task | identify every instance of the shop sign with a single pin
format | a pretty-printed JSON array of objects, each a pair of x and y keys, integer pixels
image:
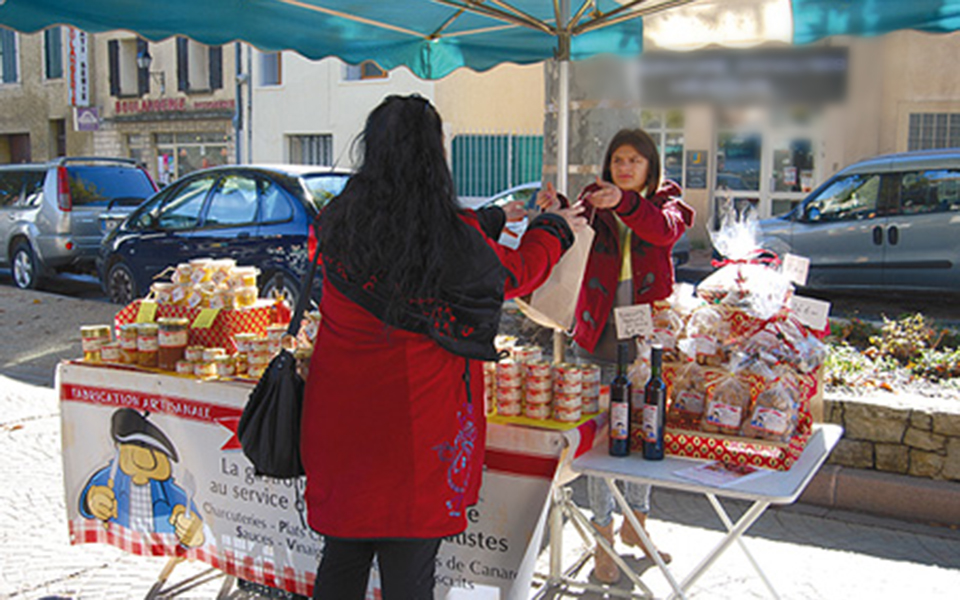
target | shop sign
[
  {"x": 769, "y": 75},
  {"x": 128, "y": 107},
  {"x": 86, "y": 118},
  {"x": 78, "y": 67}
]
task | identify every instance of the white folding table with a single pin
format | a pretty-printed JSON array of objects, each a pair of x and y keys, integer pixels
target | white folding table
[{"x": 774, "y": 487}]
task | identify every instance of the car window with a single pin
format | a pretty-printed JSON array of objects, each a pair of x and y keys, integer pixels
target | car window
[
  {"x": 233, "y": 203},
  {"x": 936, "y": 190},
  {"x": 182, "y": 211},
  {"x": 848, "y": 198},
  {"x": 324, "y": 187},
  {"x": 99, "y": 185},
  {"x": 274, "y": 204},
  {"x": 20, "y": 189}
]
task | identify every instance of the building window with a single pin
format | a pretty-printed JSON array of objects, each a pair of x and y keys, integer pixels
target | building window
[
  {"x": 8, "y": 55},
  {"x": 271, "y": 72},
  {"x": 364, "y": 71},
  {"x": 311, "y": 149},
  {"x": 666, "y": 129},
  {"x": 199, "y": 67},
  {"x": 125, "y": 75},
  {"x": 486, "y": 164},
  {"x": 53, "y": 53},
  {"x": 929, "y": 131}
]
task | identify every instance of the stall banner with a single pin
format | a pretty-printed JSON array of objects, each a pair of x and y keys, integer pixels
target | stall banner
[{"x": 152, "y": 465}]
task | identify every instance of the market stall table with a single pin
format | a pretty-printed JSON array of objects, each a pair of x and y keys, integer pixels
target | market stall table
[
  {"x": 253, "y": 527},
  {"x": 771, "y": 487}
]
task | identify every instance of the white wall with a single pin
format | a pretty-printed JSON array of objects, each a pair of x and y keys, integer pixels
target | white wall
[{"x": 313, "y": 98}]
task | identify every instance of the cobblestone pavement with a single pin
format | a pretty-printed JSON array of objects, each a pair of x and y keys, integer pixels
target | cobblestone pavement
[{"x": 809, "y": 553}]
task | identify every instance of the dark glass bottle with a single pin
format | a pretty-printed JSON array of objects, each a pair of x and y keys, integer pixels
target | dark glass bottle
[
  {"x": 654, "y": 407},
  {"x": 620, "y": 409}
]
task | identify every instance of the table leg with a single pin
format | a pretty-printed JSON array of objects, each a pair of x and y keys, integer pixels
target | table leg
[
  {"x": 556, "y": 535},
  {"x": 753, "y": 513},
  {"x": 718, "y": 508},
  {"x": 644, "y": 538}
]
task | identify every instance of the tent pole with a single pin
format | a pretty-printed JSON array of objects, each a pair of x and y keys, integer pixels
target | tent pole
[{"x": 563, "y": 130}]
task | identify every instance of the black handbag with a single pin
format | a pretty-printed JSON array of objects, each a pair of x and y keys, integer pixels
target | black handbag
[{"x": 269, "y": 428}]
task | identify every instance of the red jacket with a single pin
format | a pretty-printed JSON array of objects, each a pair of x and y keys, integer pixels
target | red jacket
[
  {"x": 392, "y": 440},
  {"x": 657, "y": 222}
]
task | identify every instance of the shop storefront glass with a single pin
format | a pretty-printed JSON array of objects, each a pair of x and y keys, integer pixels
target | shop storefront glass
[
  {"x": 666, "y": 129},
  {"x": 182, "y": 153}
]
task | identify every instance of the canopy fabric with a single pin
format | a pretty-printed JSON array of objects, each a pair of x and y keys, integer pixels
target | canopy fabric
[
  {"x": 816, "y": 19},
  {"x": 431, "y": 38}
]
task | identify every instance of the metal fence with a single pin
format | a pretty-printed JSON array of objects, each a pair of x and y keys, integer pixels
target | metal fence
[{"x": 484, "y": 164}]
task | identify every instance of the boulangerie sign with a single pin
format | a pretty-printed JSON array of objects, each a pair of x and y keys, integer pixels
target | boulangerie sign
[{"x": 206, "y": 502}]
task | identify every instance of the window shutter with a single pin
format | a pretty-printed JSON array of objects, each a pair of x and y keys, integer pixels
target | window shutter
[
  {"x": 216, "y": 67},
  {"x": 9, "y": 40},
  {"x": 183, "y": 64},
  {"x": 113, "y": 55},
  {"x": 143, "y": 75}
]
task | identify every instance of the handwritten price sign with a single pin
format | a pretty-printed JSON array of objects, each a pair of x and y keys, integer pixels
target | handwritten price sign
[
  {"x": 796, "y": 268},
  {"x": 633, "y": 321},
  {"x": 811, "y": 312}
]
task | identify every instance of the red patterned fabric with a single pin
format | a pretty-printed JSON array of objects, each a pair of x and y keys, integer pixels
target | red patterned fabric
[{"x": 220, "y": 334}]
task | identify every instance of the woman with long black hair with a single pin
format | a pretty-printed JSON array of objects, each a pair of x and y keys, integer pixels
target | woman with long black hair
[{"x": 393, "y": 422}]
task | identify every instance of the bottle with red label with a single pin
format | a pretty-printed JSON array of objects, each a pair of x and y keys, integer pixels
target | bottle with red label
[
  {"x": 620, "y": 400},
  {"x": 654, "y": 407}
]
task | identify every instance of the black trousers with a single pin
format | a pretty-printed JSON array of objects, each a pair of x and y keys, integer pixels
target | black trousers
[{"x": 407, "y": 568}]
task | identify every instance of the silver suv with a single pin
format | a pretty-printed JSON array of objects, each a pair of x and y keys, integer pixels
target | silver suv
[
  {"x": 50, "y": 213},
  {"x": 890, "y": 222}
]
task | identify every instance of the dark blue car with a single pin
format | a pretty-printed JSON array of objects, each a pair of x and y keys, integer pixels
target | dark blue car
[{"x": 256, "y": 215}]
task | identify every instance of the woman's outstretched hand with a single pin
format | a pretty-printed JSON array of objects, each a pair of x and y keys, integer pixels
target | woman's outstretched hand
[
  {"x": 607, "y": 196},
  {"x": 573, "y": 215},
  {"x": 547, "y": 198}
]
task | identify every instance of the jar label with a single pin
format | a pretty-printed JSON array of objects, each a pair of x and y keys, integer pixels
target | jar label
[
  {"x": 147, "y": 344},
  {"x": 651, "y": 423},
  {"x": 769, "y": 420},
  {"x": 128, "y": 343},
  {"x": 619, "y": 420},
  {"x": 724, "y": 415},
  {"x": 172, "y": 339},
  {"x": 689, "y": 402},
  {"x": 92, "y": 344}
]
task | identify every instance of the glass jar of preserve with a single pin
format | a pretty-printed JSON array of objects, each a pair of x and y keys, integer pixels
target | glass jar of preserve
[
  {"x": 128, "y": 344},
  {"x": 172, "y": 342},
  {"x": 148, "y": 344},
  {"x": 92, "y": 338}
]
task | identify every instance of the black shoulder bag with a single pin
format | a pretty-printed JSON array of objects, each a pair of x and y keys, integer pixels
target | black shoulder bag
[{"x": 269, "y": 428}]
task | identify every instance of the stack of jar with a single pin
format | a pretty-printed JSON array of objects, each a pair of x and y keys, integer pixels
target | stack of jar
[
  {"x": 207, "y": 363},
  {"x": 209, "y": 283},
  {"x": 537, "y": 390},
  {"x": 509, "y": 388}
]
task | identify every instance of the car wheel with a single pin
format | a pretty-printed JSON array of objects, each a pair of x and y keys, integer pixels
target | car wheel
[
  {"x": 281, "y": 284},
  {"x": 121, "y": 285},
  {"x": 24, "y": 267}
]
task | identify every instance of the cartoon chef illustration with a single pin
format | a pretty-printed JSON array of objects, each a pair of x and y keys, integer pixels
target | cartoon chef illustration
[{"x": 136, "y": 489}]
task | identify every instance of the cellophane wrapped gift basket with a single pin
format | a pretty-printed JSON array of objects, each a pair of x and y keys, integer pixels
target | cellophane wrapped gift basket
[{"x": 743, "y": 373}]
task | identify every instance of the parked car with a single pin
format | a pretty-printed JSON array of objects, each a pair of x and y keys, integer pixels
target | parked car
[
  {"x": 49, "y": 213},
  {"x": 890, "y": 222},
  {"x": 527, "y": 193},
  {"x": 257, "y": 215}
]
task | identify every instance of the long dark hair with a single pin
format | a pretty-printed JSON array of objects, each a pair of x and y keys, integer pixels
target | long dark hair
[
  {"x": 641, "y": 141},
  {"x": 397, "y": 216}
]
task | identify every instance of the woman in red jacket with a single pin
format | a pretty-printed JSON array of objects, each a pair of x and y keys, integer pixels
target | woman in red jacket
[
  {"x": 628, "y": 207},
  {"x": 393, "y": 424}
]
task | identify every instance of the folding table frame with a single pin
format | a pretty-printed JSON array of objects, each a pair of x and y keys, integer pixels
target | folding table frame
[{"x": 774, "y": 487}]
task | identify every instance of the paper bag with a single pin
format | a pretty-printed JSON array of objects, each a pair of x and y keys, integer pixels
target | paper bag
[{"x": 553, "y": 304}]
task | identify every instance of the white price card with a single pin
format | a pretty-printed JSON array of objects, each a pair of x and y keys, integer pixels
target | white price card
[
  {"x": 811, "y": 312},
  {"x": 796, "y": 268},
  {"x": 633, "y": 321}
]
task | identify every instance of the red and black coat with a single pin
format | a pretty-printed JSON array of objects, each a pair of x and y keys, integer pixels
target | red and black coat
[
  {"x": 393, "y": 423},
  {"x": 657, "y": 222}
]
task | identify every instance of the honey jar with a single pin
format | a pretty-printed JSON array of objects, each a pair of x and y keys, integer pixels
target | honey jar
[
  {"x": 172, "y": 342},
  {"x": 201, "y": 270},
  {"x": 184, "y": 367},
  {"x": 128, "y": 344},
  {"x": 225, "y": 366},
  {"x": 163, "y": 292},
  {"x": 110, "y": 352},
  {"x": 205, "y": 369},
  {"x": 245, "y": 297},
  {"x": 148, "y": 344},
  {"x": 244, "y": 277},
  {"x": 193, "y": 353},
  {"x": 92, "y": 338}
]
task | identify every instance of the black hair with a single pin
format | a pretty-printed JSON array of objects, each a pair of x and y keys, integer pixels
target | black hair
[
  {"x": 640, "y": 141},
  {"x": 397, "y": 216}
]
